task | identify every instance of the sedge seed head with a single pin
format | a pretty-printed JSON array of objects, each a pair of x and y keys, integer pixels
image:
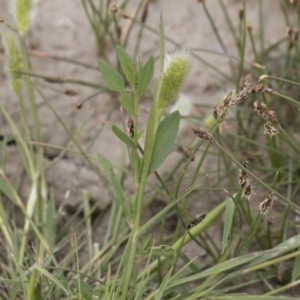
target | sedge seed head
[
  {"x": 266, "y": 205},
  {"x": 248, "y": 192},
  {"x": 202, "y": 134}
]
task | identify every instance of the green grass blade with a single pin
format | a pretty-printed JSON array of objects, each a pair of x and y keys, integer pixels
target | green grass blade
[
  {"x": 229, "y": 216},
  {"x": 52, "y": 278}
]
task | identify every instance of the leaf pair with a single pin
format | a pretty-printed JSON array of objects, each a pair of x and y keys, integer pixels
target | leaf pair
[{"x": 138, "y": 81}]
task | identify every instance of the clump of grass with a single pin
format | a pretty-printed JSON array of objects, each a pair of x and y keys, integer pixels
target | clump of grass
[{"x": 131, "y": 262}]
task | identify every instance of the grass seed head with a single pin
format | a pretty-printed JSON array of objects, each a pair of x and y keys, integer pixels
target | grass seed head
[
  {"x": 198, "y": 219},
  {"x": 262, "y": 110},
  {"x": 130, "y": 126},
  {"x": 266, "y": 205},
  {"x": 79, "y": 105},
  {"x": 220, "y": 108},
  {"x": 14, "y": 63},
  {"x": 113, "y": 8},
  {"x": 23, "y": 12},
  {"x": 175, "y": 69},
  {"x": 202, "y": 134},
  {"x": 188, "y": 154},
  {"x": 296, "y": 3},
  {"x": 270, "y": 129},
  {"x": 248, "y": 192},
  {"x": 243, "y": 178}
]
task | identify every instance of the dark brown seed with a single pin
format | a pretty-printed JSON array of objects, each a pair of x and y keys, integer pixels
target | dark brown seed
[
  {"x": 198, "y": 219},
  {"x": 79, "y": 105},
  {"x": 130, "y": 126}
]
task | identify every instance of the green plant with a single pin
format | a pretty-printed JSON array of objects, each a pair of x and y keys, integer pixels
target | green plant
[{"x": 137, "y": 259}]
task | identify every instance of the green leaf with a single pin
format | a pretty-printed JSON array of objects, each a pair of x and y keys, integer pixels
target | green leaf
[
  {"x": 163, "y": 286},
  {"x": 296, "y": 269},
  {"x": 162, "y": 250},
  {"x": 145, "y": 77},
  {"x": 250, "y": 297},
  {"x": 139, "y": 135},
  {"x": 127, "y": 102},
  {"x": 146, "y": 242},
  {"x": 6, "y": 190},
  {"x": 126, "y": 65},
  {"x": 84, "y": 288},
  {"x": 113, "y": 79},
  {"x": 52, "y": 278},
  {"x": 164, "y": 140},
  {"x": 109, "y": 173},
  {"x": 124, "y": 138},
  {"x": 229, "y": 213}
]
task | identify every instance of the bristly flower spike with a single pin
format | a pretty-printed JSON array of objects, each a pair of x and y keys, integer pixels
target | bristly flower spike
[
  {"x": 23, "y": 12},
  {"x": 175, "y": 69},
  {"x": 14, "y": 63}
]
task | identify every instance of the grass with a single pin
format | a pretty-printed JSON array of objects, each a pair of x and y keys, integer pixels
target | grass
[{"x": 250, "y": 141}]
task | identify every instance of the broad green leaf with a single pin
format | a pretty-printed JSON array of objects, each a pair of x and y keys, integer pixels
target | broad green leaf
[
  {"x": 109, "y": 173},
  {"x": 126, "y": 65},
  {"x": 113, "y": 79},
  {"x": 127, "y": 102},
  {"x": 296, "y": 269},
  {"x": 124, "y": 138},
  {"x": 145, "y": 76},
  {"x": 52, "y": 278},
  {"x": 164, "y": 140},
  {"x": 229, "y": 213}
]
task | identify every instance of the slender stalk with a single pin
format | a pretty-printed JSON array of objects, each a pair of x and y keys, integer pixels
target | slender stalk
[
  {"x": 242, "y": 48},
  {"x": 148, "y": 149}
]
